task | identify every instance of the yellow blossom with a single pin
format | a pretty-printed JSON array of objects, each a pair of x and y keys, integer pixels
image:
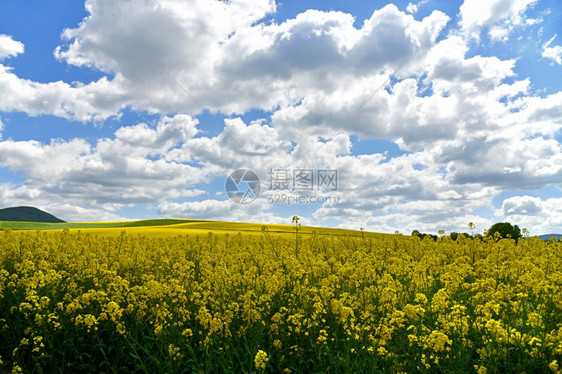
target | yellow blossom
[{"x": 260, "y": 360}]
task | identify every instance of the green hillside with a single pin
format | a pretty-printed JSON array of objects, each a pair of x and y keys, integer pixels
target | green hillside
[
  {"x": 27, "y": 214},
  {"x": 26, "y": 225}
]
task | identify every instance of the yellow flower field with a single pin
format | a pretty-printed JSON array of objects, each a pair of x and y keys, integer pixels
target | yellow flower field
[{"x": 265, "y": 302}]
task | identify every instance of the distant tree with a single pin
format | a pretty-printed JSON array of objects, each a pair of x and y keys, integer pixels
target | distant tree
[
  {"x": 455, "y": 235},
  {"x": 423, "y": 235},
  {"x": 504, "y": 230}
]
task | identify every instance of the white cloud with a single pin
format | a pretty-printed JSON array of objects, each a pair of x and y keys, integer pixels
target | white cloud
[
  {"x": 92, "y": 102},
  {"x": 522, "y": 205},
  {"x": 255, "y": 212},
  {"x": 554, "y": 53},
  {"x": 170, "y": 131},
  {"x": 542, "y": 216},
  {"x": 498, "y": 16},
  {"x": 9, "y": 47},
  {"x": 464, "y": 95},
  {"x": 117, "y": 37},
  {"x": 222, "y": 57},
  {"x": 95, "y": 101},
  {"x": 132, "y": 40},
  {"x": 218, "y": 52},
  {"x": 140, "y": 164},
  {"x": 73, "y": 213},
  {"x": 413, "y": 8},
  {"x": 130, "y": 168},
  {"x": 395, "y": 194}
]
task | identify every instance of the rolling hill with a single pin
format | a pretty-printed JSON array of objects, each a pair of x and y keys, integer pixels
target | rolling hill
[
  {"x": 27, "y": 214},
  {"x": 162, "y": 228},
  {"x": 548, "y": 236}
]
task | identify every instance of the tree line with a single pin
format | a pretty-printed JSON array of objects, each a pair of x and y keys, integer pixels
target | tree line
[{"x": 500, "y": 230}]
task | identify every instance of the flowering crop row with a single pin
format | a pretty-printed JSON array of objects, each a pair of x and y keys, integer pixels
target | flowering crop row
[{"x": 72, "y": 302}]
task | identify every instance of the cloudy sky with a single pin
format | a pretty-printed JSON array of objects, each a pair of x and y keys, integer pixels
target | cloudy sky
[{"x": 433, "y": 113}]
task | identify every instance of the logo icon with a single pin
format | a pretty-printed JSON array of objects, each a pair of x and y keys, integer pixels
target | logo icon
[{"x": 242, "y": 186}]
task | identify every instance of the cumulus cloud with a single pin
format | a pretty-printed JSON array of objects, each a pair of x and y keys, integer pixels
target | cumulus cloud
[
  {"x": 9, "y": 47},
  {"x": 95, "y": 101},
  {"x": 220, "y": 54},
  {"x": 398, "y": 194},
  {"x": 141, "y": 164},
  {"x": 543, "y": 216},
  {"x": 554, "y": 53},
  {"x": 129, "y": 168},
  {"x": 463, "y": 95},
  {"x": 522, "y": 205},
  {"x": 145, "y": 163},
  {"x": 256, "y": 212},
  {"x": 413, "y": 7},
  {"x": 142, "y": 42},
  {"x": 74, "y": 213},
  {"x": 496, "y": 16}
]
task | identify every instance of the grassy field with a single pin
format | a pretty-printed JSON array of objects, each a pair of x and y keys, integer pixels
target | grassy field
[
  {"x": 213, "y": 297},
  {"x": 18, "y": 225},
  {"x": 173, "y": 227}
]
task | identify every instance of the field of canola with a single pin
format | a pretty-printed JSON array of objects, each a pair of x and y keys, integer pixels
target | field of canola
[
  {"x": 161, "y": 228},
  {"x": 275, "y": 302}
]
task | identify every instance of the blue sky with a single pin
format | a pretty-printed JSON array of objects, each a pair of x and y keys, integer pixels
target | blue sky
[{"x": 434, "y": 113}]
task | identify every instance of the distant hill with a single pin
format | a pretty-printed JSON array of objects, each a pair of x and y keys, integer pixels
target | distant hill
[
  {"x": 548, "y": 236},
  {"x": 27, "y": 214}
]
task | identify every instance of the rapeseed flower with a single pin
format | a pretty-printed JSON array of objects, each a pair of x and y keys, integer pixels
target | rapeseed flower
[{"x": 260, "y": 360}]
